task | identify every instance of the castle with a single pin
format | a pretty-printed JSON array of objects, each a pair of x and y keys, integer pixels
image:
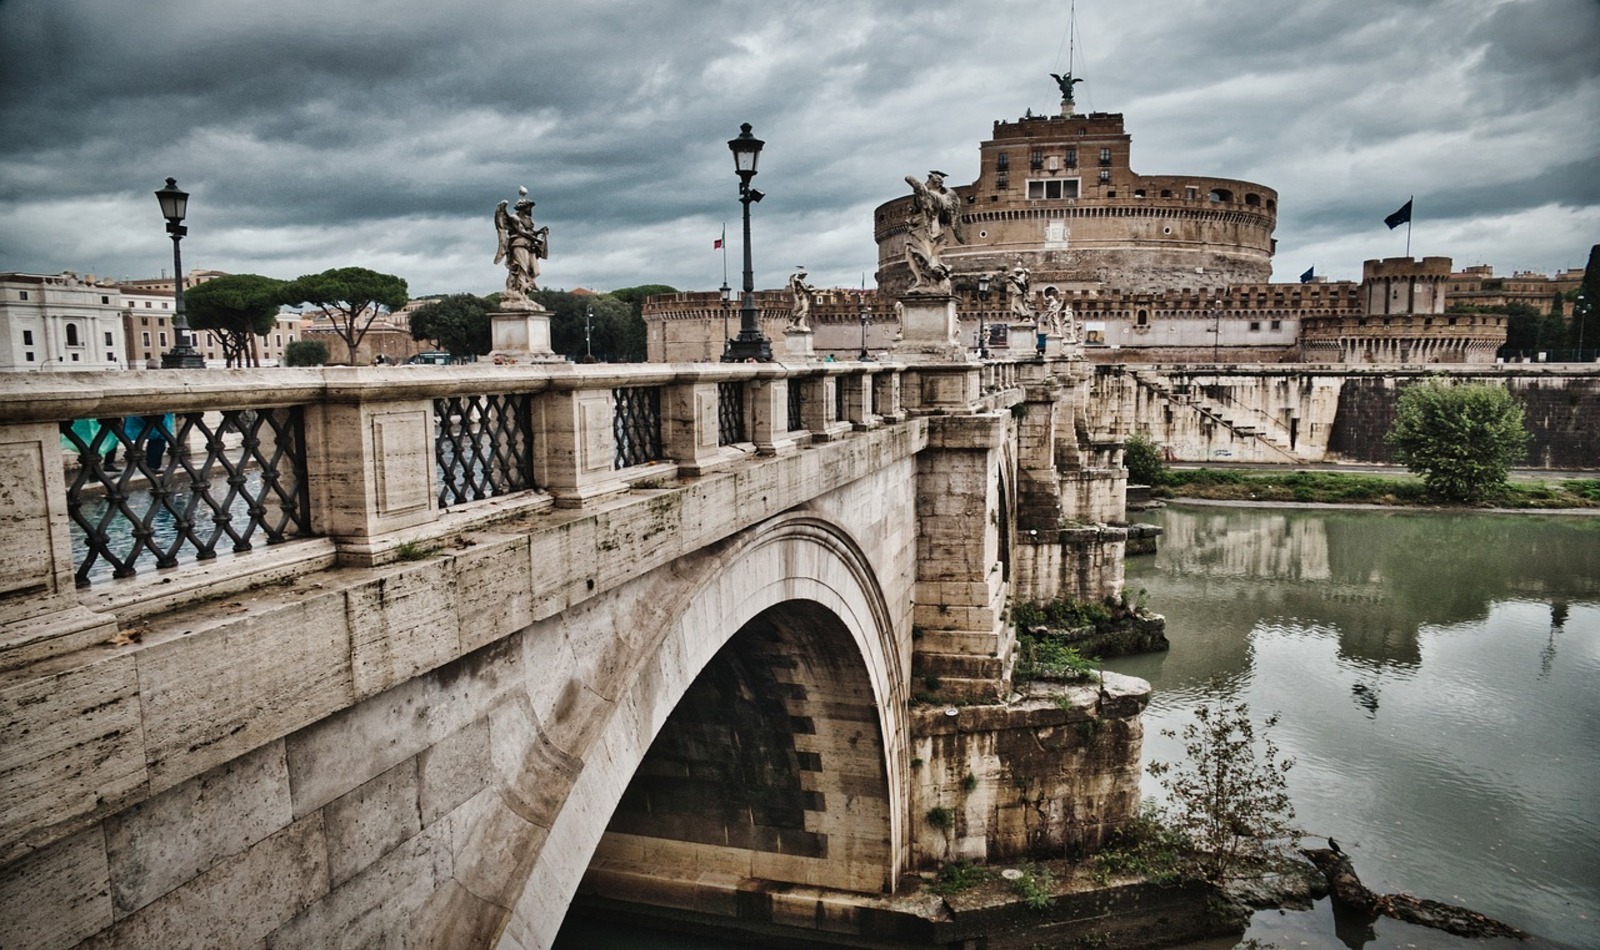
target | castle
[{"x": 1156, "y": 268}]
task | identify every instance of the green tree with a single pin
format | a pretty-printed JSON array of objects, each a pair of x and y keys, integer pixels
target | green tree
[
  {"x": 305, "y": 353},
  {"x": 235, "y": 308},
  {"x": 1143, "y": 460},
  {"x": 352, "y": 297},
  {"x": 1462, "y": 439},
  {"x": 1229, "y": 799},
  {"x": 611, "y": 338},
  {"x": 458, "y": 323}
]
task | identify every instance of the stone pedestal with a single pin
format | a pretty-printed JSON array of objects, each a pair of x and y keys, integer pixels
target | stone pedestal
[
  {"x": 521, "y": 336},
  {"x": 1054, "y": 346},
  {"x": 928, "y": 329},
  {"x": 799, "y": 343}
]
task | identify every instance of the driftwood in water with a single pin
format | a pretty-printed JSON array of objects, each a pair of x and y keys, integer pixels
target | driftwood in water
[{"x": 1351, "y": 895}]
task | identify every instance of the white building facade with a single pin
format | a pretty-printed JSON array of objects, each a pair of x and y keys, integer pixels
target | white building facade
[{"x": 61, "y": 322}]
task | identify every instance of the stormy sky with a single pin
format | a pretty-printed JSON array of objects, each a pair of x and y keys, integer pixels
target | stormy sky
[{"x": 319, "y": 133}]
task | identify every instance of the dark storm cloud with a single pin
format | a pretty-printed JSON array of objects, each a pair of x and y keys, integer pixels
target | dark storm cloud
[{"x": 320, "y": 134}]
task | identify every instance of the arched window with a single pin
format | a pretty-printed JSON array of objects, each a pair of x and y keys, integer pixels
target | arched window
[
  {"x": 1221, "y": 194},
  {"x": 1144, "y": 318},
  {"x": 72, "y": 335}
]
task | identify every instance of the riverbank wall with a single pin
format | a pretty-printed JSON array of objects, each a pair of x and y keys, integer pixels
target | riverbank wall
[{"x": 1304, "y": 414}]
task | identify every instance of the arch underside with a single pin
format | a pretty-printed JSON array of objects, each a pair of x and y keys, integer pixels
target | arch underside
[{"x": 783, "y": 649}]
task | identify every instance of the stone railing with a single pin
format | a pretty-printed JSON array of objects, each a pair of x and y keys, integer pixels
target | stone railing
[{"x": 240, "y": 477}]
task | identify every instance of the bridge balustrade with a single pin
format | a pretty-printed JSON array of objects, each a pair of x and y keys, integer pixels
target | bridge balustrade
[{"x": 352, "y": 464}]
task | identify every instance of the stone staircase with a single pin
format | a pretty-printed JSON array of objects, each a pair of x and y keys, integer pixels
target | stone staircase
[{"x": 1248, "y": 425}]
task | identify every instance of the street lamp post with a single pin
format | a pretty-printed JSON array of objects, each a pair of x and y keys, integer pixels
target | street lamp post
[
  {"x": 1581, "y": 311},
  {"x": 983, "y": 323},
  {"x": 727, "y": 298},
  {"x": 174, "y": 207},
  {"x": 1216, "y": 331},
  {"x": 865, "y": 312},
  {"x": 750, "y": 344},
  {"x": 588, "y": 335}
]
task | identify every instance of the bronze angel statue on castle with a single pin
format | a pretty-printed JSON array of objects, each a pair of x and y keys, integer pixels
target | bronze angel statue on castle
[{"x": 521, "y": 247}]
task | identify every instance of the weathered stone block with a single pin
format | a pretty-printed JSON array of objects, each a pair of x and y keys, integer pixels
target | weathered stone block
[
  {"x": 346, "y": 749},
  {"x": 371, "y": 909},
  {"x": 453, "y": 770},
  {"x": 57, "y": 897},
  {"x": 239, "y": 683},
  {"x": 167, "y": 840},
  {"x": 369, "y": 821},
  {"x": 237, "y": 902},
  {"x": 401, "y": 624},
  {"x": 70, "y": 746}
]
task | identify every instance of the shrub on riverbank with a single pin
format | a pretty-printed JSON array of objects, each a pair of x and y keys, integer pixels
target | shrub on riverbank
[{"x": 1359, "y": 488}]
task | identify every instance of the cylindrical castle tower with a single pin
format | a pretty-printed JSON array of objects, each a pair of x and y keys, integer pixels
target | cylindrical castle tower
[{"x": 1057, "y": 194}]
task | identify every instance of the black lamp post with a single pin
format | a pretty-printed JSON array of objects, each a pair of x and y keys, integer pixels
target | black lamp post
[
  {"x": 174, "y": 206},
  {"x": 983, "y": 306},
  {"x": 750, "y": 343},
  {"x": 1216, "y": 331},
  {"x": 727, "y": 298},
  {"x": 588, "y": 326},
  {"x": 866, "y": 321}
]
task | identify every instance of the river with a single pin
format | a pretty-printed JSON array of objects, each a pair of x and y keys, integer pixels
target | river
[{"x": 1435, "y": 674}]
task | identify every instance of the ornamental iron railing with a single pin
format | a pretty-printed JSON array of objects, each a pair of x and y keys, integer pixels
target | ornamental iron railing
[
  {"x": 483, "y": 446},
  {"x": 143, "y": 489},
  {"x": 796, "y": 405},
  {"x": 636, "y": 425},
  {"x": 730, "y": 413}
]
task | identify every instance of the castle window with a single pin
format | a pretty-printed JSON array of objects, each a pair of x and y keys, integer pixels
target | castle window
[
  {"x": 1255, "y": 326},
  {"x": 1002, "y": 181},
  {"x": 104, "y": 299},
  {"x": 1105, "y": 174},
  {"x": 1252, "y": 199},
  {"x": 1105, "y": 156},
  {"x": 22, "y": 295},
  {"x": 27, "y": 337},
  {"x": 1050, "y": 188},
  {"x": 1144, "y": 318},
  {"x": 1002, "y": 161},
  {"x": 108, "y": 338},
  {"x": 1072, "y": 157},
  {"x": 1276, "y": 325},
  {"x": 1138, "y": 192},
  {"x": 1191, "y": 192},
  {"x": 1221, "y": 194},
  {"x": 1035, "y": 159},
  {"x": 1166, "y": 192},
  {"x": 72, "y": 335}
]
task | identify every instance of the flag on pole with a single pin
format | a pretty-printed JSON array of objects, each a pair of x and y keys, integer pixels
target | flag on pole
[
  {"x": 717, "y": 244},
  {"x": 1403, "y": 216},
  {"x": 1310, "y": 273}
]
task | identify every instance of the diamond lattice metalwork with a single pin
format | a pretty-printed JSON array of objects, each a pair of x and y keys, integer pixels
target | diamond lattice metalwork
[
  {"x": 483, "y": 446},
  {"x": 730, "y": 413},
  {"x": 636, "y": 425}
]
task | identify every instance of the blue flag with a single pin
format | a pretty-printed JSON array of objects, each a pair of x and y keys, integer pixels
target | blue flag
[
  {"x": 1310, "y": 273},
  {"x": 1399, "y": 217}
]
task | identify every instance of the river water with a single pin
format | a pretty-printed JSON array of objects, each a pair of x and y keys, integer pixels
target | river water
[{"x": 1436, "y": 679}]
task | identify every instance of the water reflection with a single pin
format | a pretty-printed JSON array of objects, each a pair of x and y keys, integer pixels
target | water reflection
[{"x": 1435, "y": 677}]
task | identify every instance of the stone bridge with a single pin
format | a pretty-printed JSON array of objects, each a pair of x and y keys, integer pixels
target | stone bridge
[{"x": 419, "y": 657}]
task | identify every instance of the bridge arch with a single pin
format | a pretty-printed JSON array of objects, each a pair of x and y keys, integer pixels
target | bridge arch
[{"x": 799, "y": 579}]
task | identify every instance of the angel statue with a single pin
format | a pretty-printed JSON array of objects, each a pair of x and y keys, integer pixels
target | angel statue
[
  {"x": 802, "y": 293},
  {"x": 521, "y": 247},
  {"x": 933, "y": 222},
  {"x": 1066, "y": 83},
  {"x": 1058, "y": 315}
]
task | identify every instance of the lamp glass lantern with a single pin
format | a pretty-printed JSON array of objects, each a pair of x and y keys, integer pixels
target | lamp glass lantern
[{"x": 174, "y": 202}]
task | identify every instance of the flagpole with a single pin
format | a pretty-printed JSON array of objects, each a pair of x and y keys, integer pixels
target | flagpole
[
  {"x": 724, "y": 252},
  {"x": 1412, "y": 202}
]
